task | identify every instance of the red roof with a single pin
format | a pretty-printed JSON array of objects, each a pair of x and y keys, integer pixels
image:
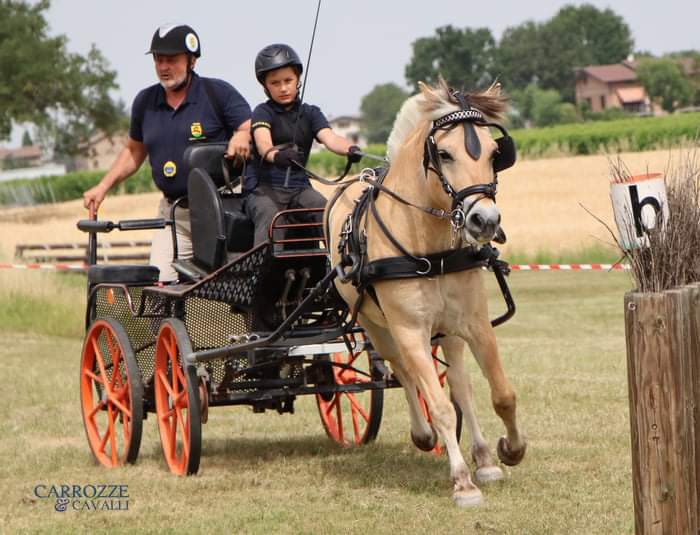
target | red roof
[
  {"x": 617, "y": 72},
  {"x": 32, "y": 151}
]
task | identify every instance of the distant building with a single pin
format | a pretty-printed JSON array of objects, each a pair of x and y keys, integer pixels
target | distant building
[
  {"x": 21, "y": 157},
  {"x": 349, "y": 127},
  {"x": 612, "y": 86},
  {"x": 100, "y": 151}
]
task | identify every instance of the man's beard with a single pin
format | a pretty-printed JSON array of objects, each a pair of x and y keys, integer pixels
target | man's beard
[{"x": 174, "y": 84}]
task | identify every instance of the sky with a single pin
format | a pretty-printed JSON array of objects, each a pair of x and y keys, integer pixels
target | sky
[{"x": 358, "y": 44}]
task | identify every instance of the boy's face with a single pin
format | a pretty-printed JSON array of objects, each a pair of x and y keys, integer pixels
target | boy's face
[{"x": 282, "y": 84}]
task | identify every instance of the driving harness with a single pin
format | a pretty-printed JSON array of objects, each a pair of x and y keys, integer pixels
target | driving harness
[{"x": 352, "y": 247}]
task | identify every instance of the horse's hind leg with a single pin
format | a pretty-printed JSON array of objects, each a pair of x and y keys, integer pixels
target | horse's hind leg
[
  {"x": 422, "y": 434},
  {"x": 482, "y": 342},
  {"x": 461, "y": 392}
]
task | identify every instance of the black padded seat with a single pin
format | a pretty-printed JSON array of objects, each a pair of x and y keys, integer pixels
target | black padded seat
[
  {"x": 207, "y": 221},
  {"x": 209, "y": 157},
  {"x": 128, "y": 274}
]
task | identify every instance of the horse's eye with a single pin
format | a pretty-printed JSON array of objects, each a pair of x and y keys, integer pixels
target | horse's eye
[{"x": 445, "y": 156}]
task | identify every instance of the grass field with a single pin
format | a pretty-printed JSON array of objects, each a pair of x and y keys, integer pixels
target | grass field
[{"x": 265, "y": 473}]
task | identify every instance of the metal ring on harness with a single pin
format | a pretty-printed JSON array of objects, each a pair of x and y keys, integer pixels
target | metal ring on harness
[{"x": 430, "y": 266}]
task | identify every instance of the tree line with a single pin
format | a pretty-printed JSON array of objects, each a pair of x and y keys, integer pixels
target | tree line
[
  {"x": 66, "y": 96},
  {"x": 535, "y": 63}
]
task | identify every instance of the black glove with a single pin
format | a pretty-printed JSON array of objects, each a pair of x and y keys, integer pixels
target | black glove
[
  {"x": 354, "y": 154},
  {"x": 284, "y": 157}
]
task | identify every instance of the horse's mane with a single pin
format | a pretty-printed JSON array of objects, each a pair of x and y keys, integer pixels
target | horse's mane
[{"x": 434, "y": 102}]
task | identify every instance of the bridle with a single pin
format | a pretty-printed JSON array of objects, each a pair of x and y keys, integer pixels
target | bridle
[{"x": 504, "y": 158}]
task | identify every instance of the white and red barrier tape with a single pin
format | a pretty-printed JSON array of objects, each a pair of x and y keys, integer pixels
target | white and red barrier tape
[
  {"x": 514, "y": 267},
  {"x": 46, "y": 267}
]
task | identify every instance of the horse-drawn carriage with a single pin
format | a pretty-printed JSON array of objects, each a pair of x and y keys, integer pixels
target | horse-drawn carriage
[{"x": 256, "y": 326}]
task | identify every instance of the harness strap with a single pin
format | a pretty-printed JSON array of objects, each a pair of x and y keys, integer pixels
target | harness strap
[{"x": 451, "y": 261}]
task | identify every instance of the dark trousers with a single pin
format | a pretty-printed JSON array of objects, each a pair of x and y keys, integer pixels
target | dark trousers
[{"x": 264, "y": 202}]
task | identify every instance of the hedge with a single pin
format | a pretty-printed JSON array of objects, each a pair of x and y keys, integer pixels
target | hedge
[
  {"x": 633, "y": 135},
  {"x": 50, "y": 189}
]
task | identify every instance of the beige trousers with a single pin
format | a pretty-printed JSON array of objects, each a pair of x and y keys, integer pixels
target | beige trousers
[{"x": 162, "y": 244}]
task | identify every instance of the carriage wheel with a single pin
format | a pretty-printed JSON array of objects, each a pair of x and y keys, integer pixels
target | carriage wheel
[
  {"x": 442, "y": 376},
  {"x": 352, "y": 418},
  {"x": 111, "y": 394},
  {"x": 177, "y": 400}
]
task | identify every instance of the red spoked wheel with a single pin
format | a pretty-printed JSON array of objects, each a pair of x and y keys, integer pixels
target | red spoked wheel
[
  {"x": 111, "y": 394},
  {"x": 176, "y": 391},
  {"x": 352, "y": 418},
  {"x": 442, "y": 377}
]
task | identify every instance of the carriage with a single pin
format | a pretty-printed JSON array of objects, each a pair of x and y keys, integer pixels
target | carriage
[
  {"x": 244, "y": 326},
  {"x": 260, "y": 326}
]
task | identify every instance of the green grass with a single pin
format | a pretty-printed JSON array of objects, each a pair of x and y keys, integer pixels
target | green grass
[
  {"x": 594, "y": 254},
  {"x": 266, "y": 473}
]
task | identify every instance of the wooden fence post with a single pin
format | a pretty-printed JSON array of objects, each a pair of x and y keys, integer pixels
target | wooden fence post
[{"x": 663, "y": 362}]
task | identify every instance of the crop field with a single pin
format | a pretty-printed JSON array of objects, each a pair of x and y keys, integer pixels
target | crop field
[
  {"x": 266, "y": 473},
  {"x": 542, "y": 203}
]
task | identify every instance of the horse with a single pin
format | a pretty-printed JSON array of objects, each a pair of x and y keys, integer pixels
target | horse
[{"x": 435, "y": 203}]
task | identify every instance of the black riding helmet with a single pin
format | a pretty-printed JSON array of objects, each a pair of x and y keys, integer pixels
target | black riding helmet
[
  {"x": 171, "y": 39},
  {"x": 275, "y": 57}
]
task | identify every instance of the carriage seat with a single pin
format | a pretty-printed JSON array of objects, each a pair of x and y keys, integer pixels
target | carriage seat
[
  {"x": 127, "y": 274},
  {"x": 218, "y": 223}
]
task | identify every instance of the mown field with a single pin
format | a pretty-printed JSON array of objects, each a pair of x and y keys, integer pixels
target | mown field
[{"x": 564, "y": 352}]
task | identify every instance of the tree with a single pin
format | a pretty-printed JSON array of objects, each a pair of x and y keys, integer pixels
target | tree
[
  {"x": 463, "y": 57},
  {"x": 65, "y": 95},
  {"x": 664, "y": 81},
  {"x": 520, "y": 56},
  {"x": 542, "y": 107},
  {"x": 27, "y": 139},
  {"x": 578, "y": 36},
  {"x": 379, "y": 108}
]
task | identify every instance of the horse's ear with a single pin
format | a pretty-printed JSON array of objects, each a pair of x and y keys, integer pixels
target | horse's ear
[
  {"x": 494, "y": 90},
  {"x": 426, "y": 90}
]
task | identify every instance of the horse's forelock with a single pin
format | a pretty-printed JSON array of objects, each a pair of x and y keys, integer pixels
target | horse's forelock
[{"x": 431, "y": 103}]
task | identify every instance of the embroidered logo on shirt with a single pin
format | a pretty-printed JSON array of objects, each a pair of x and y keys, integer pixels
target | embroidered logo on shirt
[
  {"x": 261, "y": 123},
  {"x": 169, "y": 169},
  {"x": 196, "y": 129}
]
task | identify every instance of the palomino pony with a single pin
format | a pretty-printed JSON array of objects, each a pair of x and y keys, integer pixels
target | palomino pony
[{"x": 434, "y": 211}]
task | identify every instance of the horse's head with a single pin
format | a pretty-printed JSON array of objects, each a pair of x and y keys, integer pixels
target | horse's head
[{"x": 460, "y": 156}]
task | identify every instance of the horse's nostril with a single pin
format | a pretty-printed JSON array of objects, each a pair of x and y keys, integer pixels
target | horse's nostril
[{"x": 477, "y": 221}]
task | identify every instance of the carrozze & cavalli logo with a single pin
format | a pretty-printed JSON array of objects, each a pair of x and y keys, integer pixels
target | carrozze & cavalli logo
[{"x": 85, "y": 497}]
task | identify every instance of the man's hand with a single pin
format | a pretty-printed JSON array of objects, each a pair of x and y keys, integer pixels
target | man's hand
[
  {"x": 239, "y": 145},
  {"x": 94, "y": 195}
]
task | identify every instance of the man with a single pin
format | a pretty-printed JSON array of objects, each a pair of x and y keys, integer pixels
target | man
[{"x": 183, "y": 108}]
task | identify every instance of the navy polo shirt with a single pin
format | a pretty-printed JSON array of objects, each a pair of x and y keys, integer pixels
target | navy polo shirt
[
  {"x": 166, "y": 132},
  {"x": 281, "y": 123}
]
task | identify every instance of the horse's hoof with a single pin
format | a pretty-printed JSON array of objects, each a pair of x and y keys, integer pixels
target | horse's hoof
[
  {"x": 467, "y": 498},
  {"x": 488, "y": 474},
  {"x": 425, "y": 443},
  {"x": 508, "y": 457}
]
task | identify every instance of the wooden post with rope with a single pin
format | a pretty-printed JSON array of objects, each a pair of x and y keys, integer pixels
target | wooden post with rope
[{"x": 663, "y": 362}]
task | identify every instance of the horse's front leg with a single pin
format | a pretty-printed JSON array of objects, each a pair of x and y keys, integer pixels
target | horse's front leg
[
  {"x": 414, "y": 344},
  {"x": 461, "y": 392},
  {"x": 422, "y": 434},
  {"x": 482, "y": 341}
]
